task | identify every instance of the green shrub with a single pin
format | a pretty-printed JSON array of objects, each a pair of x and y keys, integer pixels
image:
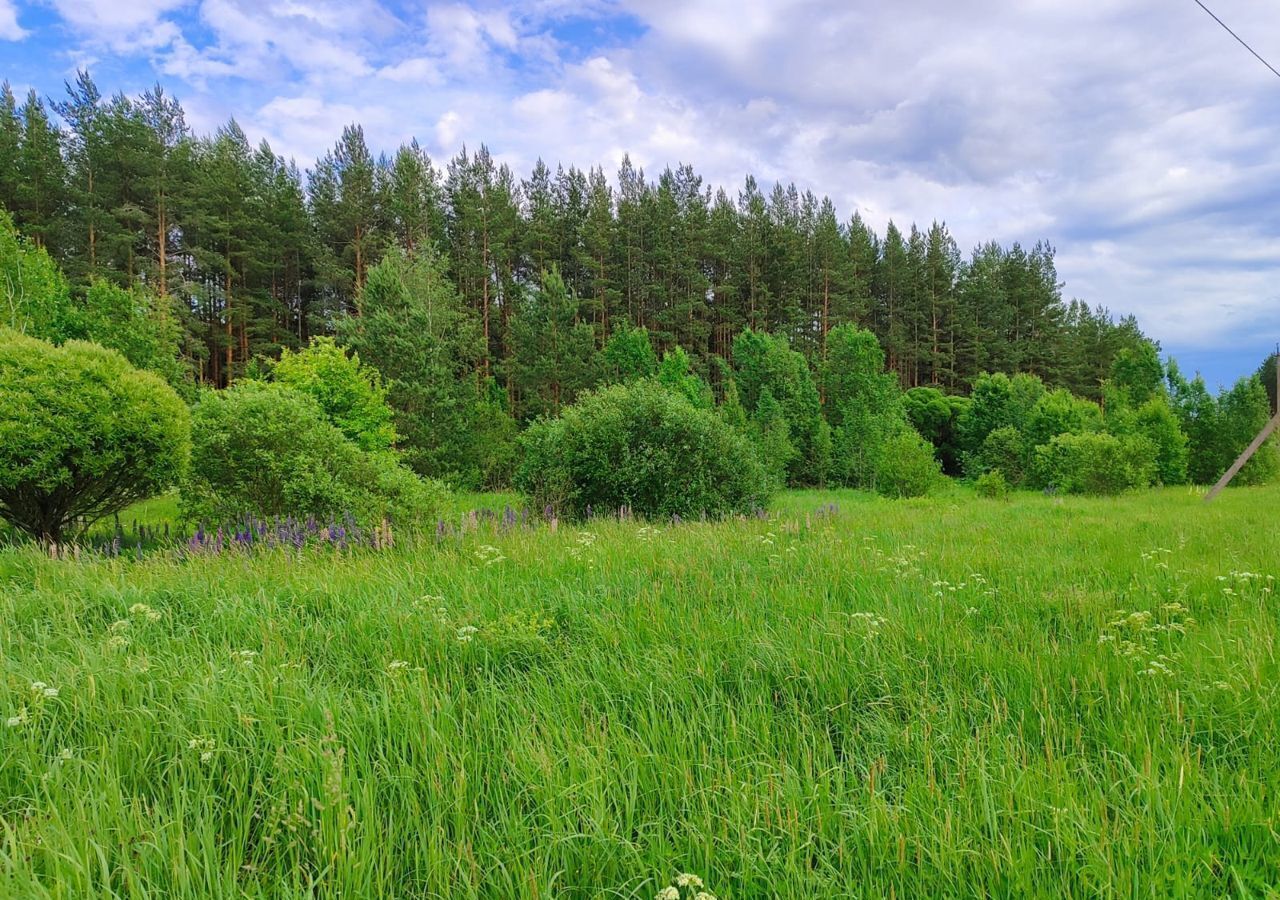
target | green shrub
[
  {"x": 1004, "y": 450},
  {"x": 936, "y": 416},
  {"x": 267, "y": 450},
  {"x": 628, "y": 355},
  {"x": 1096, "y": 463},
  {"x": 352, "y": 395},
  {"x": 992, "y": 485},
  {"x": 83, "y": 434},
  {"x": 906, "y": 466},
  {"x": 645, "y": 447}
]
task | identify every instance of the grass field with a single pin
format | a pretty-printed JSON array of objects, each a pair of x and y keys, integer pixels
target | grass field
[{"x": 951, "y": 697}]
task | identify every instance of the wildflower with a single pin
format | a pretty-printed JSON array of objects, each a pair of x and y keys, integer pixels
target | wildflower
[
  {"x": 203, "y": 746},
  {"x": 668, "y": 893},
  {"x": 466, "y": 632},
  {"x": 18, "y": 720},
  {"x": 704, "y": 895},
  {"x": 687, "y": 880},
  {"x": 146, "y": 612},
  {"x": 244, "y": 657},
  {"x": 396, "y": 666}
]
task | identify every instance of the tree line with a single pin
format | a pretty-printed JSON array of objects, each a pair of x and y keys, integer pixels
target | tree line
[{"x": 255, "y": 255}]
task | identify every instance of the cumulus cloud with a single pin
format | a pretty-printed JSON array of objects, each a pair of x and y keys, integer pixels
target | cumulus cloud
[
  {"x": 10, "y": 30},
  {"x": 1133, "y": 135}
]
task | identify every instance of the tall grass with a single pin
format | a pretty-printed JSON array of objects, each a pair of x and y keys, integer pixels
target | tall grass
[{"x": 947, "y": 697}]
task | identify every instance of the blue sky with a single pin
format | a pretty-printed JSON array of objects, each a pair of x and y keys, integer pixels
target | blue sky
[{"x": 1134, "y": 135}]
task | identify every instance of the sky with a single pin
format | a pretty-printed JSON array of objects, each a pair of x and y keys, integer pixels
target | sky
[{"x": 1135, "y": 136}]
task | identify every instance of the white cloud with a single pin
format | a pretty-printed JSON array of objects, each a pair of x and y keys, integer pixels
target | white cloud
[
  {"x": 123, "y": 25},
  {"x": 10, "y": 30},
  {"x": 416, "y": 69}
]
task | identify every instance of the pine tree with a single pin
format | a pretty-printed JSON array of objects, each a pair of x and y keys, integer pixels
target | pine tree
[
  {"x": 39, "y": 200},
  {"x": 414, "y": 198},
  {"x": 345, "y": 197},
  {"x": 10, "y": 146},
  {"x": 553, "y": 353}
]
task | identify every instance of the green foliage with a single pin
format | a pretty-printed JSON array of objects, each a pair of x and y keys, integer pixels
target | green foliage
[
  {"x": 772, "y": 437},
  {"x": 269, "y": 450},
  {"x": 1095, "y": 463},
  {"x": 1267, "y": 375},
  {"x": 351, "y": 395},
  {"x": 642, "y": 446},
  {"x": 905, "y": 465},
  {"x": 628, "y": 355},
  {"x": 936, "y": 417},
  {"x": 998, "y": 401},
  {"x": 83, "y": 434},
  {"x": 1156, "y": 421},
  {"x": 1004, "y": 450},
  {"x": 553, "y": 353},
  {"x": 1243, "y": 412},
  {"x": 864, "y": 406},
  {"x": 763, "y": 361},
  {"x": 992, "y": 485},
  {"x": 1218, "y": 429},
  {"x": 676, "y": 374},
  {"x": 415, "y": 332},
  {"x": 1137, "y": 375},
  {"x": 1058, "y": 412},
  {"x": 34, "y": 298},
  {"x": 137, "y": 324}
]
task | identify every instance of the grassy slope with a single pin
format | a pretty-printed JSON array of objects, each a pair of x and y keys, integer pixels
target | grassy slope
[{"x": 910, "y": 699}]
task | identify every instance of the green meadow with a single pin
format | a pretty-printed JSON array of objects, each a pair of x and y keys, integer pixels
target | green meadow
[{"x": 945, "y": 697}]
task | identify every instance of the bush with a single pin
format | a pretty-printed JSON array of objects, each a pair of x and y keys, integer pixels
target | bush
[
  {"x": 645, "y": 447},
  {"x": 1096, "y": 463},
  {"x": 267, "y": 450},
  {"x": 992, "y": 485},
  {"x": 936, "y": 416},
  {"x": 83, "y": 434},
  {"x": 906, "y": 466},
  {"x": 352, "y": 395},
  {"x": 1003, "y": 450}
]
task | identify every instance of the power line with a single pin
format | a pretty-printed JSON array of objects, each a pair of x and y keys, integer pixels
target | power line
[{"x": 1238, "y": 38}]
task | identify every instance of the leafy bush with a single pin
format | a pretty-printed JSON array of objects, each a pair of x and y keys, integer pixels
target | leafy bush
[
  {"x": 1156, "y": 421},
  {"x": 352, "y": 395},
  {"x": 83, "y": 434},
  {"x": 763, "y": 361},
  {"x": 772, "y": 437},
  {"x": 863, "y": 402},
  {"x": 267, "y": 450},
  {"x": 906, "y": 466},
  {"x": 992, "y": 485},
  {"x": 628, "y": 355},
  {"x": 37, "y": 301},
  {"x": 643, "y": 446},
  {"x": 1058, "y": 412},
  {"x": 1096, "y": 463},
  {"x": 34, "y": 297},
  {"x": 676, "y": 373},
  {"x": 998, "y": 401},
  {"x": 1003, "y": 450},
  {"x": 936, "y": 416}
]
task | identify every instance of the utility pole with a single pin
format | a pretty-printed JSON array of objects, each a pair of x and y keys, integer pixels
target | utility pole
[{"x": 1265, "y": 433}]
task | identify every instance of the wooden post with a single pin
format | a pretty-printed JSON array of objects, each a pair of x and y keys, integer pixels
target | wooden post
[{"x": 1257, "y": 442}]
